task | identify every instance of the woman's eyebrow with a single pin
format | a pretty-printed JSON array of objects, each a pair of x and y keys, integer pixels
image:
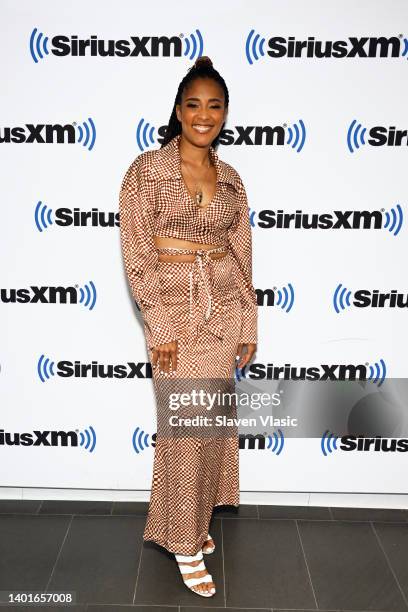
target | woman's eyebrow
[{"x": 209, "y": 99}]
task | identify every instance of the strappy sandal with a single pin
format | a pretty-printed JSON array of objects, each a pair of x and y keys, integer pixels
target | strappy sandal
[
  {"x": 209, "y": 548},
  {"x": 191, "y": 569}
]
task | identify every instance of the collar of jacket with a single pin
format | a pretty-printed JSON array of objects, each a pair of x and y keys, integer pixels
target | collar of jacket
[{"x": 166, "y": 164}]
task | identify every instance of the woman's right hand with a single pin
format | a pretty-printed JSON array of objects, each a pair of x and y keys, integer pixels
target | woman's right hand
[{"x": 165, "y": 356}]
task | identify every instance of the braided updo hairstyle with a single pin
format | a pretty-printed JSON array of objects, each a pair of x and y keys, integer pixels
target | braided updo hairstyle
[{"x": 202, "y": 68}]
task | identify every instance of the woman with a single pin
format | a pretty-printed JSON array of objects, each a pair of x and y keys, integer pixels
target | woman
[{"x": 186, "y": 244}]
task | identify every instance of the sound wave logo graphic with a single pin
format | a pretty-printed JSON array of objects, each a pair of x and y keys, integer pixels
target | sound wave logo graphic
[
  {"x": 328, "y": 443},
  {"x": 355, "y": 136},
  {"x": 252, "y": 214},
  {"x": 86, "y": 133},
  {"x": 286, "y": 297},
  {"x": 297, "y": 135},
  {"x": 45, "y": 368},
  {"x": 377, "y": 372},
  {"x": 341, "y": 298},
  {"x": 42, "y": 216},
  {"x": 394, "y": 220},
  {"x": 87, "y": 295},
  {"x": 38, "y": 45},
  {"x": 275, "y": 442},
  {"x": 140, "y": 440},
  {"x": 254, "y": 47},
  {"x": 144, "y": 134},
  {"x": 87, "y": 439},
  {"x": 193, "y": 44},
  {"x": 405, "y": 49}
]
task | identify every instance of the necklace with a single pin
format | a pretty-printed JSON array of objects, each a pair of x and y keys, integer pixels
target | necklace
[{"x": 198, "y": 196}]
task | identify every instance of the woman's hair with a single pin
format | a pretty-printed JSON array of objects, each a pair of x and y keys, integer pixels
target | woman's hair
[{"x": 202, "y": 68}]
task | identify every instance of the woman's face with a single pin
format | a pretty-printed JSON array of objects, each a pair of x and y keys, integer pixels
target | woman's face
[{"x": 202, "y": 111}]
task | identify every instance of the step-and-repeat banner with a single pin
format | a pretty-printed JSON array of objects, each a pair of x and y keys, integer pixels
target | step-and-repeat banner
[{"x": 317, "y": 129}]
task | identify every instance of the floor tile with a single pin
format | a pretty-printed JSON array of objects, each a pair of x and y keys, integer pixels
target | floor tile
[
  {"x": 19, "y": 506},
  {"x": 369, "y": 514},
  {"x": 203, "y": 608},
  {"x": 100, "y": 559},
  {"x": 29, "y": 546},
  {"x": 132, "y": 608},
  {"x": 295, "y": 512},
  {"x": 136, "y": 508},
  {"x": 394, "y": 541},
  {"x": 61, "y": 506},
  {"x": 348, "y": 568},
  {"x": 73, "y": 608},
  {"x": 264, "y": 565}
]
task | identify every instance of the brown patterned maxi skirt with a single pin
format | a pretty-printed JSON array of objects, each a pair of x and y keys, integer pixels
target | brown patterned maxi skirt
[{"x": 195, "y": 468}]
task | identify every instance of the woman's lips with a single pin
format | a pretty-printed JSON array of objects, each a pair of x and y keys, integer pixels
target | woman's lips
[{"x": 202, "y": 129}]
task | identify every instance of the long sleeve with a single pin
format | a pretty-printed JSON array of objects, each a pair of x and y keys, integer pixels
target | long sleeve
[
  {"x": 136, "y": 211},
  {"x": 240, "y": 242}
]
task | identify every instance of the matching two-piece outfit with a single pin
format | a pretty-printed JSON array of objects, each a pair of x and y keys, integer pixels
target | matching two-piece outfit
[{"x": 208, "y": 306}]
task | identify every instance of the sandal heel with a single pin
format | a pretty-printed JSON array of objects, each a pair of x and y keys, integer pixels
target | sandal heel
[{"x": 210, "y": 550}]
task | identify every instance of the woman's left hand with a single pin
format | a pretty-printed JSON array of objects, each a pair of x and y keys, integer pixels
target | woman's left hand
[{"x": 245, "y": 352}]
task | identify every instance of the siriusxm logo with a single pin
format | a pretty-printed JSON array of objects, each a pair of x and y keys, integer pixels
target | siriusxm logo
[
  {"x": 142, "y": 440},
  {"x": 46, "y": 368},
  {"x": 378, "y": 136},
  {"x": 391, "y": 220},
  {"x": 293, "y": 135},
  {"x": 366, "y": 298},
  {"x": 328, "y": 444},
  {"x": 86, "y": 295},
  {"x": 190, "y": 46},
  {"x": 351, "y": 47},
  {"x": 69, "y": 133},
  {"x": 86, "y": 439},
  {"x": 45, "y": 217},
  {"x": 375, "y": 373}
]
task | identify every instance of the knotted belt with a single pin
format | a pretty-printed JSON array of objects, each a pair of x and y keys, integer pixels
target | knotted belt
[{"x": 205, "y": 310}]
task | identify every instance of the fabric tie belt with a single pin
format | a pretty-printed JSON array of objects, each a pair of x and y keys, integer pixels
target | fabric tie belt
[{"x": 204, "y": 311}]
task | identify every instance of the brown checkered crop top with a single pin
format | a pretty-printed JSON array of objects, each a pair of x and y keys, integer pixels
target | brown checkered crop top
[{"x": 154, "y": 201}]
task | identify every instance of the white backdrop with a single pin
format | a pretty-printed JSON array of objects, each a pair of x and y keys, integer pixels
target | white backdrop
[{"x": 48, "y": 340}]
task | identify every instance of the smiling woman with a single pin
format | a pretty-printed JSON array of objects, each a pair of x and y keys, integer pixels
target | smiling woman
[{"x": 187, "y": 248}]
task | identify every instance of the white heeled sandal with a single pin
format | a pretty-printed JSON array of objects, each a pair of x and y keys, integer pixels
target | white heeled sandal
[
  {"x": 190, "y": 569},
  {"x": 209, "y": 548}
]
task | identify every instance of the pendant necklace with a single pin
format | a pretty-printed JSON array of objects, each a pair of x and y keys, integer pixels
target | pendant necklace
[{"x": 198, "y": 197}]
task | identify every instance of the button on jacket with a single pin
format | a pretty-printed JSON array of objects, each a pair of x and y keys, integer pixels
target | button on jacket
[{"x": 154, "y": 201}]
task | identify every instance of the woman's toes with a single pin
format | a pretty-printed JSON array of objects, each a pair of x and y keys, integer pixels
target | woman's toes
[
  {"x": 207, "y": 587},
  {"x": 211, "y": 587}
]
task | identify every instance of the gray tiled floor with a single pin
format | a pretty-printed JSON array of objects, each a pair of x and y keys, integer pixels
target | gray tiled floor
[{"x": 274, "y": 558}]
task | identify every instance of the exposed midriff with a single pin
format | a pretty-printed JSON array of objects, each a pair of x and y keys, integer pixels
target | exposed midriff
[{"x": 165, "y": 242}]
